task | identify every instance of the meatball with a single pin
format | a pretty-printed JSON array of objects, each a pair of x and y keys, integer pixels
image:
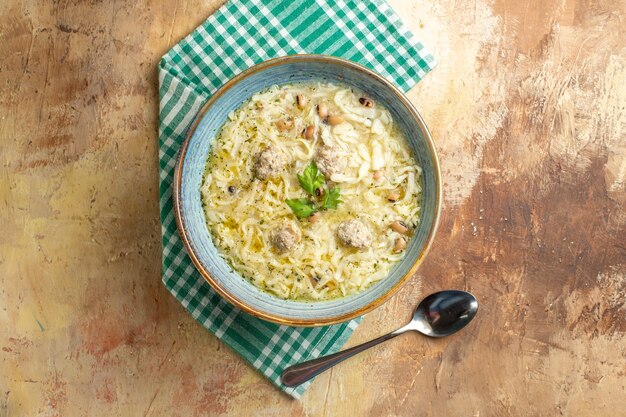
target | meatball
[
  {"x": 285, "y": 237},
  {"x": 329, "y": 160},
  {"x": 269, "y": 162},
  {"x": 354, "y": 234}
]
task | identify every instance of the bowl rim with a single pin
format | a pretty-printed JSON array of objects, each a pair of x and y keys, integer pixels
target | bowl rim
[{"x": 177, "y": 182}]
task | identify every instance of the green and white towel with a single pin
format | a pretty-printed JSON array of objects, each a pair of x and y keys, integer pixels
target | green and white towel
[{"x": 240, "y": 34}]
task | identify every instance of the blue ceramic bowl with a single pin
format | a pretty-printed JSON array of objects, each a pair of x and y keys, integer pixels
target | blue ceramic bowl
[{"x": 197, "y": 145}]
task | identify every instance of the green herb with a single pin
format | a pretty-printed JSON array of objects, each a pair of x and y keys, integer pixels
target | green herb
[
  {"x": 302, "y": 207},
  {"x": 331, "y": 199},
  {"x": 312, "y": 180}
]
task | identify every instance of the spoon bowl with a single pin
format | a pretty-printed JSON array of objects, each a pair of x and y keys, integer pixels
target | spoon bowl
[
  {"x": 438, "y": 315},
  {"x": 444, "y": 313}
]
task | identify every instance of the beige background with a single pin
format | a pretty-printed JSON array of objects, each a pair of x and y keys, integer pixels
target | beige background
[{"x": 527, "y": 108}]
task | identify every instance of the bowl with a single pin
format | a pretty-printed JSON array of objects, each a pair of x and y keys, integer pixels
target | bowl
[{"x": 190, "y": 168}]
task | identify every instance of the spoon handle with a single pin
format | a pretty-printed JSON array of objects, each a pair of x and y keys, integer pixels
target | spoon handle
[{"x": 302, "y": 372}]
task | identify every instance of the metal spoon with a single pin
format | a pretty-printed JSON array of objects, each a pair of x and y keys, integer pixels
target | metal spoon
[{"x": 438, "y": 315}]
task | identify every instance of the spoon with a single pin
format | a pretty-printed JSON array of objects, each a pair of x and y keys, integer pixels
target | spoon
[{"x": 438, "y": 315}]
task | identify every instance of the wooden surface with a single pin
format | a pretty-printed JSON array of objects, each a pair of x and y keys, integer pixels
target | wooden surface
[{"x": 527, "y": 107}]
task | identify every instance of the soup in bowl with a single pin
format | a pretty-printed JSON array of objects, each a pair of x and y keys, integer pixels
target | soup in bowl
[{"x": 307, "y": 190}]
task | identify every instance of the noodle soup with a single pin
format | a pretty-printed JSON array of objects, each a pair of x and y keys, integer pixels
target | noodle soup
[{"x": 311, "y": 192}]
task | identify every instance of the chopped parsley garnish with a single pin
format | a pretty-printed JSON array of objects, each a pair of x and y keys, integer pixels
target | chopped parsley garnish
[
  {"x": 311, "y": 179},
  {"x": 331, "y": 199},
  {"x": 321, "y": 196},
  {"x": 302, "y": 207}
]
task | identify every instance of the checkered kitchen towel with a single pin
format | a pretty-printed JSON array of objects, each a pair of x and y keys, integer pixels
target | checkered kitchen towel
[{"x": 239, "y": 35}]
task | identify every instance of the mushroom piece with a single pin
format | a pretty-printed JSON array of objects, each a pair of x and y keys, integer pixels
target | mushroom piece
[
  {"x": 313, "y": 218},
  {"x": 354, "y": 234},
  {"x": 285, "y": 237},
  {"x": 329, "y": 160},
  {"x": 400, "y": 227},
  {"x": 309, "y": 132},
  {"x": 269, "y": 162},
  {"x": 399, "y": 245},
  {"x": 285, "y": 124},
  {"x": 322, "y": 110},
  {"x": 301, "y": 100},
  {"x": 366, "y": 102},
  {"x": 334, "y": 120},
  {"x": 314, "y": 280},
  {"x": 393, "y": 196}
]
